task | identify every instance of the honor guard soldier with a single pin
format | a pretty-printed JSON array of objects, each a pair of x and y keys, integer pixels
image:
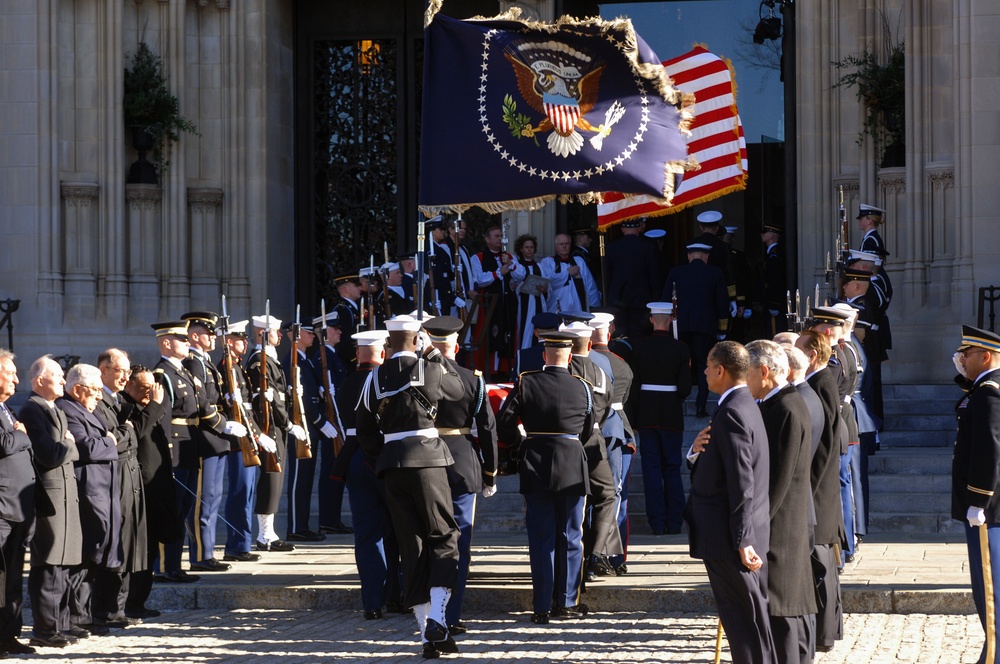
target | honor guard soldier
[
  {"x": 775, "y": 280},
  {"x": 242, "y": 477},
  {"x": 741, "y": 280},
  {"x": 393, "y": 299},
  {"x": 661, "y": 368},
  {"x": 719, "y": 254},
  {"x": 869, "y": 219},
  {"x": 214, "y": 440},
  {"x": 396, "y": 414},
  {"x": 702, "y": 311},
  {"x": 556, "y": 412},
  {"x": 975, "y": 482},
  {"x": 350, "y": 315},
  {"x": 181, "y": 398},
  {"x": 634, "y": 277},
  {"x": 468, "y": 427},
  {"x": 441, "y": 298},
  {"x": 532, "y": 358},
  {"x": 57, "y": 541},
  {"x": 330, "y": 492},
  {"x": 270, "y": 406},
  {"x": 115, "y": 369},
  {"x": 376, "y": 552}
]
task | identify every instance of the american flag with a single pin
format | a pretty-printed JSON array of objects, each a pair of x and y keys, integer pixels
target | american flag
[{"x": 716, "y": 142}]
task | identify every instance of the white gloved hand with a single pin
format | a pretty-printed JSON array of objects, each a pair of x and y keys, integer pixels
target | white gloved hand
[
  {"x": 956, "y": 360},
  {"x": 298, "y": 390},
  {"x": 720, "y": 337},
  {"x": 489, "y": 491},
  {"x": 459, "y": 303},
  {"x": 269, "y": 394},
  {"x": 732, "y": 309},
  {"x": 746, "y": 314},
  {"x": 423, "y": 341},
  {"x": 329, "y": 430},
  {"x": 976, "y": 516},
  {"x": 267, "y": 443},
  {"x": 234, "y": 428},
  {"x": 297, "y": 432}
]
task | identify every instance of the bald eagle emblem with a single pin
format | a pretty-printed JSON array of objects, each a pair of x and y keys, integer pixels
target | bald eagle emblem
[{"x": 561, "y": 83}]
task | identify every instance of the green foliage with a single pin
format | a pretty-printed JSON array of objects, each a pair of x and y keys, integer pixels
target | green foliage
[
  {"x": 149, "y": 104},
  {"x": 518, "y": 123},
  {"x": 879, "y": 83}
]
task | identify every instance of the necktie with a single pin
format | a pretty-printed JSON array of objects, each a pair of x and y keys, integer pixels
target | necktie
[{"x": 7, "y": 414}]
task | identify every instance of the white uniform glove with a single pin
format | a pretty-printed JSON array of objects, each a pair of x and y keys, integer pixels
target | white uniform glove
[
  {"x": 267, "y": 443},
  {"x": 958, "y": 363},
  {"x": 269, "y": 394},
  {"x": 746, "y": 314},
  {"x": 459, "y": 303},
  {"x": 720, "y": 337},
  {"x": 234, "y": 428},
  {"x": 423, "y": 341},
  {"x": 297, "y": 432},
  {"x": 298, "y": 390},
  {"x": 329, "y": 430},
  {"x": 976, "y": 516},
  {"x": 489, "y": 491},
  {"x": 732, "y": 309}
]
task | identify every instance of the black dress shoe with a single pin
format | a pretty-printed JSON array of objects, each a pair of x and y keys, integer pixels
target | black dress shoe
[
  {"x": 435, "y": 631},
  {"x": 76, "y": 632},
  {"x": 245, "y": 557},
  {"x": 276, "y": 545},
  {"x": 600, "y": 566},
  {"x": 373, "y": 615},
  {"x": 54, "y": 641},
  {"x": 177, "y": 576},
  {"x": 396, "y": 607},
  {"x": 122, "y": 623},
  {"x": 14, "y": 647},
  {"x": 430, "y": 652},
  {"x": 338, "y": 528},
  {"x": 589, "y": 577},
  {"x": 540, "y": 618},
  {"x": 142, "y": 612},
  {"x": 621, "y": 570},
  {"x": 458, "y": 628},
  {"x": 96, "y": 629},
  {"x": 446, "y": 647},
  {"x": 69, "y": 638},
  {"x": 211, "y": 565},
  {"x": 849, "y": 558},
  {"x": 306, "y": 536},
  {"x": 569, "y": 612}
]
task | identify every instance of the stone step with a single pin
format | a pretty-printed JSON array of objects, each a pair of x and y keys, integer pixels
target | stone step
[
  {"x": 889, "y": 484},
  {"x": 911, "y": 461},
  {"x": 890, "y": 522},
  {"x": 947, "y": 393},
  {"x": 920, "y": 406},
  {"x": 927, "y": 438},
  {"x": 919, "y": 422},
  {"x": 915, "y": 502}
]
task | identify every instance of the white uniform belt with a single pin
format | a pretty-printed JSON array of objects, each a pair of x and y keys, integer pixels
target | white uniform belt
[
  {"x": 423, "y": 433},
  {"x": 464, "y": 431},
  {"x": 652, "y": 387},
  {"x": 350, "y": 432},
  {"x": 550, "y": 434},
  {"x": 618, "y": 405}
]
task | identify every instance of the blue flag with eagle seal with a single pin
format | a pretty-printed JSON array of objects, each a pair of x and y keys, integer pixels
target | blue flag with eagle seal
[{"x": 516, "y": 113}]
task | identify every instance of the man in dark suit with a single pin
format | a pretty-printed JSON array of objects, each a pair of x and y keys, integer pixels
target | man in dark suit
[
  {"x": 100, "y": 501},
  {"x": 702, "y": 311},
  {"x": 17, "y": 508},
  {"x": 634, "y": 277},
  {"x": 728, "y": 510},
  {"x": 976, "y": 473},
  {"x": 475, "y": 466},
  {"x": 56, "y": 543},
  {"x": 556, "y": 409},
  {"x": 825, "y": 480},
  {"x": 411, "y": 457},
  {"x": 791, "y": 598}
]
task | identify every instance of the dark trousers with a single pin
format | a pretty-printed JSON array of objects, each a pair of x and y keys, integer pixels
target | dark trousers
[
  {"x": 375, "y": 550},
  {"x": 555, "y": 549},
  {"x": 185, "y": 487},
  {"x": 700, "y": 345},
  {"x": 632, "y": 321},
  {"x": 48, "y": 589},
  {"x": 13, "y": 542},
  {"x": 741, "y": 596},
  {"x": 204, "y": 515},
  {"x": 239, "y": 504},
  {"x": 464, "y": 506},
  {"x": 141, "y": 583},
  {"x": 861, "y": 484},
  {"x": 624, "y": 526},
  {"x": 301, "y": 474},
  {"x": 660, "y": 451},
  {"x": 110, "y": 589},
  {"x": 829, "y": 614},
  {"x": 976, "y": 576},
  {"x": 792, "y": 639},
  {"x": 847, "y": 503},
  {"x": 92, "y": 594},
  {"x": 420, "y": 504},
  {"x": 330, "y": 491},
  {"x": 601, "y": 529}
]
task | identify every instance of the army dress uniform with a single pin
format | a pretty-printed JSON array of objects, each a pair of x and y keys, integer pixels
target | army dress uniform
[
  {"x": 330, "y": 492},
  {"x": 556, "y": 409}
]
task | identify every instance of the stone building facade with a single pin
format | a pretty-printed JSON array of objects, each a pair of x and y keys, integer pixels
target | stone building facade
[{"x": 94, "y": 260}]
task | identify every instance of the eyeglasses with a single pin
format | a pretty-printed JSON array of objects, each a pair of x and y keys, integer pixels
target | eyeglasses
[
  {"x": 92, "y": 388},
  {"x": 968, "y": 351}
]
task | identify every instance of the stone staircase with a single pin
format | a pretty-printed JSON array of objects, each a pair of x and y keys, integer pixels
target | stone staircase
[{"x": 909, "y": 477}]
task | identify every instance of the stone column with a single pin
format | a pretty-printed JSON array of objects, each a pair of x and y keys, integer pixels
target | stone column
[
  {"x": 146, "y": 247},
  {"x": 207, "y": 268},
  {"x": 80, "y": 212}
]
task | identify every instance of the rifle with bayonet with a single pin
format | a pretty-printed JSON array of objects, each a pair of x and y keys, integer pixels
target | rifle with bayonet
[
  {"x": 384, "y": 270},
  {"x": 459, "y": 279},
  {"x": 332, "y": 416},
  {"x": 248, "y": 445},
  {"x": 271, "y": 462},
  {"x": 435, "y": 298},
  {"x": 303, "y": 447}
]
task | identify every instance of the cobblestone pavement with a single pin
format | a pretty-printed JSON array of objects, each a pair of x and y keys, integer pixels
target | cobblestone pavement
[{"x": 300, "y": 636}]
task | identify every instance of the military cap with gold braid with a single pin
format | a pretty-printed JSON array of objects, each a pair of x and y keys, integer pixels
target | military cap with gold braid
[
  {"x": 973, "y": 337},
  {"x": 828, "y": 315},
  {"x": 441, "y": 328},
  {"x": 206, "y": 319},
  {"x": 557, "y": 339},
  {"x": 177, "y": 328}
]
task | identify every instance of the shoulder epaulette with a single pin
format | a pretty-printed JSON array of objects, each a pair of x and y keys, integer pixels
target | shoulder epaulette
[
  {"x": 477, "y": 372},
  {"x": 991, "y": 383},
  {"x": 158, "y": 370},
  {"x": 529, "y": 371}
]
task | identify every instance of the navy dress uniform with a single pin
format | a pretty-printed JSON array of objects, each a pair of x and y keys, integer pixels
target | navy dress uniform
[
  {"x": 634, "y": 277},
  {"x": 661, "y": 368},
  {"x": 976, "y": 476},
  {"x": 468, "y": 427},
  {"x": 376, "y": 552},
  {"x": 58, "y": 539},
  {"x": 775, "y": 282},
  {"x": 556, "y": 410},
  {"x": 396, "y": 415}
]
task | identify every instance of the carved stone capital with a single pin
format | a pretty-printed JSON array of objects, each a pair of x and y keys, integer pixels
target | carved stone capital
[
  {"x": 204, "y": 197},
  {"x": 143, "y": 194},
  {"x": 893, "y": 179},
  {"x": 79, "y": 191}
]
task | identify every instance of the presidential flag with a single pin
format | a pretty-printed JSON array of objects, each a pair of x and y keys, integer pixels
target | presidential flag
[
  {"x": 516, "y": 113},
  {"x": 716, "y": 142}
]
